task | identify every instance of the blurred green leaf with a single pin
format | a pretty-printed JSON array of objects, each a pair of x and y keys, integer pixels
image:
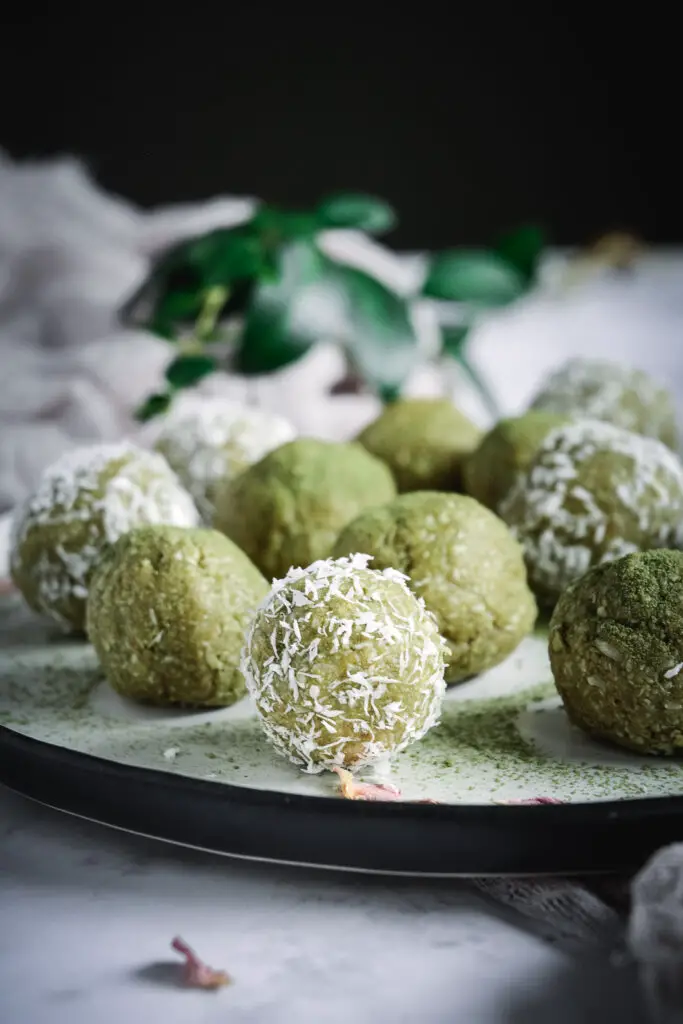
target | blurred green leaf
[
  {"x": 227, "y": 255},
  {"x": 388, "y": 393},
  {"x": 153, "y": 406},
  {"x": 378, "y": 331},
  {"x": 353, "y": 210},
  {"x": 174, "y": 293},
  {"x": 479, "y": 277},
  {"x": 187, "y": 370},
  {"x": 162, "y": 328},
  {"x": 276, "y": 226},
  {"x": 173, "y": 310},
  {"x": 523, "y": 249},
  {"x": 454, "y": 344},
  {"x": 315, "y": 298},
  {"x": 453, "y": 339},
  {"x": 277, "y": 329},
  {"x": 180, "y": 306}
]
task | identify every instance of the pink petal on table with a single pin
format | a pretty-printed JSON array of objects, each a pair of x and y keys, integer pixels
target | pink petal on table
[
  {"x": 196, "y": 973},
  {"x": 350, "y": 789}
]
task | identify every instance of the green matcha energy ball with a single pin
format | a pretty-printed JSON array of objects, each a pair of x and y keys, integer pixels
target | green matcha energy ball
[
  {"x": 616, "y": 650},
  {"x": 592, "y": 493},
  {"x": 345, "y": 665},
  {"x": 463, "y": 562},
  {"x": 208, "y": 440},
  {"x": 288, "y": 509},
  {"x": 167, "y": 612},
  {"x": 83, "y": 502},
  {"x": 506, "y": 451},
  {"x": 599, "y": 390},
  {"x": 423, "y": 441}
]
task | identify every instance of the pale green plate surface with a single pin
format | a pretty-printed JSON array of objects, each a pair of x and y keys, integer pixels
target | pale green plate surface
[{"x": 503, "y": 736}]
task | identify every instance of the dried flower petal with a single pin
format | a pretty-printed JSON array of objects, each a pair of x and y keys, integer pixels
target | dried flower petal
[
  {"x": 350, "y": 789},
  {"x": 196, "y": 973},
  {"x": 532, "y": 800}
]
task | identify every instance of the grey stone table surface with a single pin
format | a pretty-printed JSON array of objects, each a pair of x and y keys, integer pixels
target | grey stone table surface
[{"x": 88, "y": 914}]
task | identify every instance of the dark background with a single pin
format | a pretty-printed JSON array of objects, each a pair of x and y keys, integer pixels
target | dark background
[{"x": 469, "y": 122}]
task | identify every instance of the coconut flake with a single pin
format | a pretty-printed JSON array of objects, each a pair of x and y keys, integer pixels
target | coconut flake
[
  {"x": 71, "y": 491},
  {"x": 208, "y": 440},
  {"x": 609, "y": 650},
  {"x": 598, "y": 387},
  {"x": 312, "y": 723},
  {"x": 564, "y": 529}
]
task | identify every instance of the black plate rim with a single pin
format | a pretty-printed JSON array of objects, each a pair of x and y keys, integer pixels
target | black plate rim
[{"x": 328, "y": 832}]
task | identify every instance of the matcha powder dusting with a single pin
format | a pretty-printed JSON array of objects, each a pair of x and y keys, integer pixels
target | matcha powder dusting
[
  {"x": 616, "y": 650},
  {"x": 345, "y": 664}
]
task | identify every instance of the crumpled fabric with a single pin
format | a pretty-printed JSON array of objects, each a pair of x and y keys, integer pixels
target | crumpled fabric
[
  {"x": 655, "y": 933},
  {"x": 70, "y": 255}
]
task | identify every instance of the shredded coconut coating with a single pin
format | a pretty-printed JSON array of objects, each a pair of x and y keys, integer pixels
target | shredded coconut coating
[
  {"x": 600, "y": 390},
  {"x": 84, "y": 501},
  {"x": 209, "y": 441},
  {"x": 345, "y": 665},
  {"x": 593, "y": 493}
]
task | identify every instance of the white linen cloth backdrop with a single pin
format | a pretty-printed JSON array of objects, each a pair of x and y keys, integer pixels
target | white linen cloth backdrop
[{"x": 69, "y": 255}]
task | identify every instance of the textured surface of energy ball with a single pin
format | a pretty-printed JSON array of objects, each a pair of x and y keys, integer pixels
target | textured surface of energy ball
[
  {"x": 593, "y": 493},
  {"x": 210, "y": 440},
  {"x": 288, "y": 509},
  {"x": 423, "y": 441},
  {"x": 465, "y": 564},
  {"x": 167, "y": 612},
  {"x": 616, "y": 650},
  {"x": 83, "y": 502},
  {"x": 506, "y": 451},
  {"x": 345, "y": 665},
  {"x": 599, "y": 390}
]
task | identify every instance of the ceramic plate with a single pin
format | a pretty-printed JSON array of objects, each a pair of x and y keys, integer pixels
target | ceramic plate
[{"x": 211, "y": 780}]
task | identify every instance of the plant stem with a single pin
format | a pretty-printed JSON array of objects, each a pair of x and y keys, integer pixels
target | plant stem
[
  {"x": 351, "y": 383},
  {"x": 214, "y": 300},
  {"x": 480, "y": 384}
]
